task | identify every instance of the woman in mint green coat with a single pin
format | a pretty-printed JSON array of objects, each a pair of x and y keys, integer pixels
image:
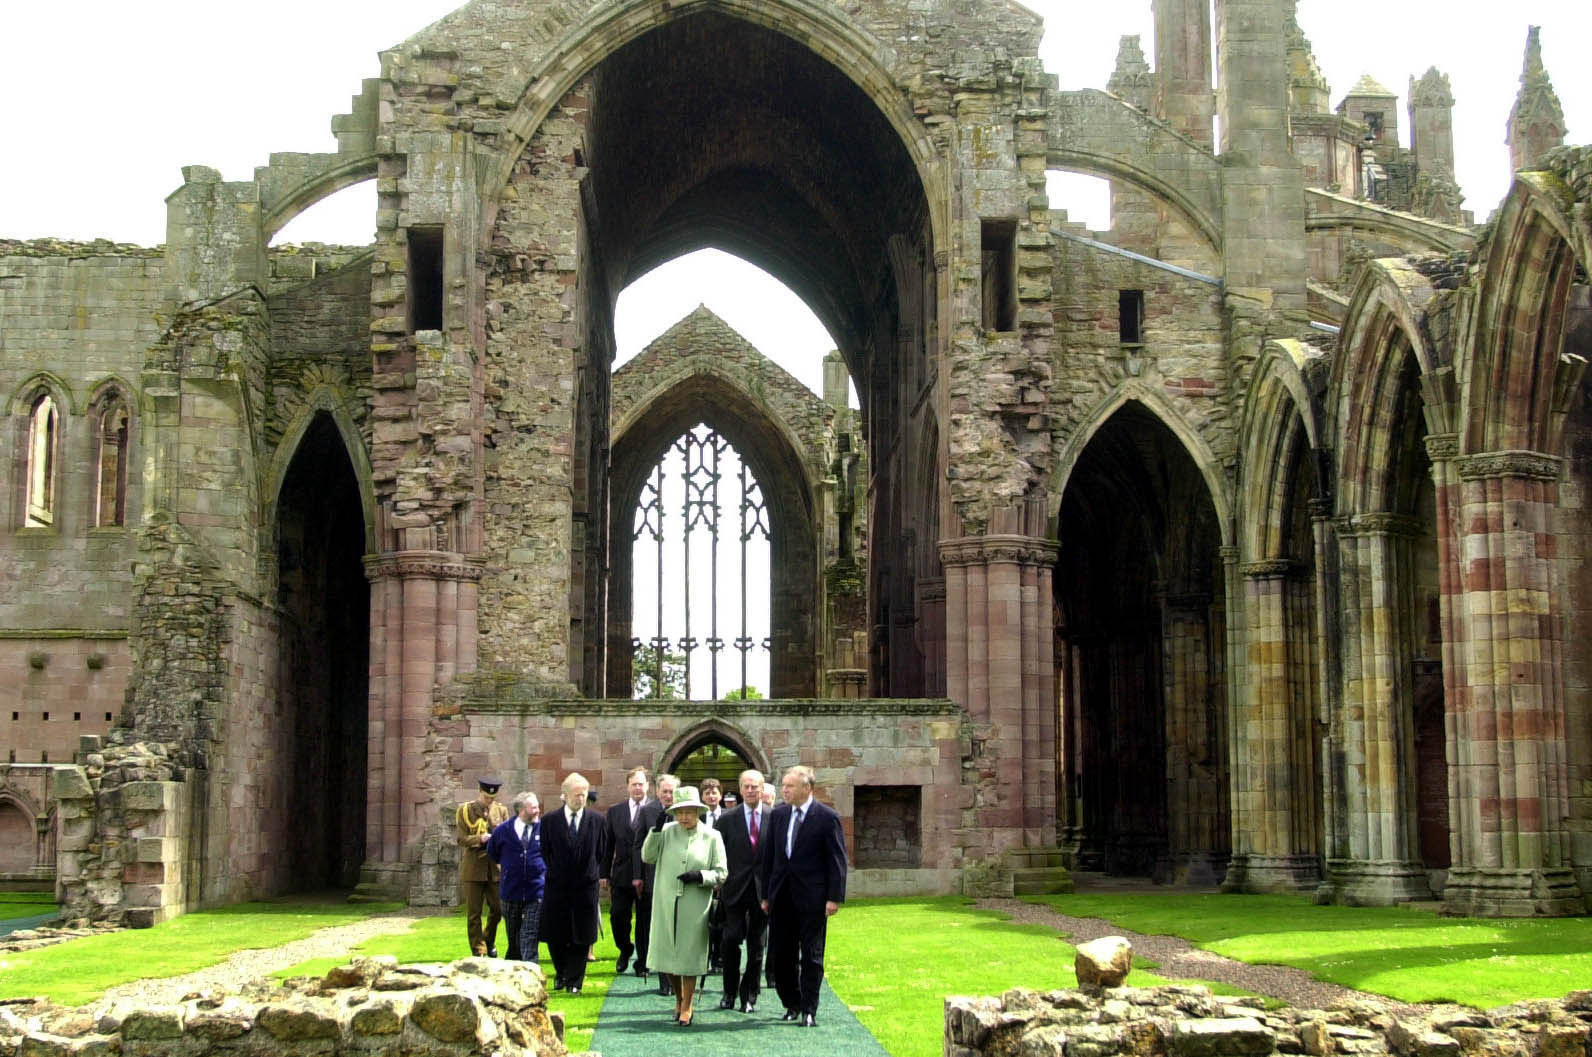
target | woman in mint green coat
[{"x": 690, "y": 863}]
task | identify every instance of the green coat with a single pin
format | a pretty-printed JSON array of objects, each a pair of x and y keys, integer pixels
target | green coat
[{"x": 679, "y": 938}]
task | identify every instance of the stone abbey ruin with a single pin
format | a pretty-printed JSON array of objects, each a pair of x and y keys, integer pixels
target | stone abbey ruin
[{"x": 1246, "y": 541}]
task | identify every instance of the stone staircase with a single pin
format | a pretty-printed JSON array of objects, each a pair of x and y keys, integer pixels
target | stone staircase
[{"x": 1037, "y": 871}]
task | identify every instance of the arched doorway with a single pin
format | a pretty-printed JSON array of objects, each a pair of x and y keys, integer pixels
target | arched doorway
[
  {"x": 1140, "y": 600},
  {"x": 712, "y": 750},
  {"x": 323, "y": 605}
]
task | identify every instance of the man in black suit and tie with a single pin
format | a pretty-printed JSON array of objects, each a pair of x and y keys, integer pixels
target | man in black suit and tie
[
  {"x": 642, "y": 873},
  {"x": 574, "y": 844},
  {"x": 624, "y": 885},
  {"x": 740, "y": 900},
  {"x": 803, "y": 869}
]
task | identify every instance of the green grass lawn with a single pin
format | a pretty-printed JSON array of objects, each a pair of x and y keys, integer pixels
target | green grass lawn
[
  {"x": 893, "y": 961},
  {"x": 1405, "y": 954},
  {"x": 442, "y": 939},
  {"x": 78, "y": 971}
]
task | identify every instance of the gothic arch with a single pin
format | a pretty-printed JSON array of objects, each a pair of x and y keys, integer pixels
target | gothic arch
[
  {"x": 709, "y": 731},
  {"x": 323, "y": 399},
  {"x": 36, "y": 385},
  {"x": 764, "y": 443},
  {"x": 1281, "y": 416},
  {"x": 346, "y": 173},
  {"x": 1519, "y": 387},
  {"x": 820, "y": 27},
  {"x": 1381, "y": 330},
  {"x": 1134, "y": 391}
]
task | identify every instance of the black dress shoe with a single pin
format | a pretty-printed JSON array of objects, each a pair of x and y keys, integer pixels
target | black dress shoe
[
  {"x": 641, "y": 971},
  {"x": 558, "y": 983},
  {"x": 619, "y": 966},
  {"x": 749, "y": 1005},
  {"x": 791, "y": 1014},
  {"x": 727, "y": 1002},
  {"x": 575, "y": 990},
  {"x": 809, "y": 1020},
  {"x": 491, "y": 952}
]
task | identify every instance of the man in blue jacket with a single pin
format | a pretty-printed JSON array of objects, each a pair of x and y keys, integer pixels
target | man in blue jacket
[{"x": 516, "y": 846}]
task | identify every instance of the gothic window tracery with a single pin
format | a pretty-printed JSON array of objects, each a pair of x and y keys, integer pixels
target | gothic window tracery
[
  {"x": 110, "y": 492},
  {"x": 43, "y": 431}
]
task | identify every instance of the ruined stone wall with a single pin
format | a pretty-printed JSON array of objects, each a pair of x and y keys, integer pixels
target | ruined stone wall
[
  {"x": 1181, "y": 363},
  {"x": 75, "y": 318},
  {"x": 1191, "y": 1022},
  {"x": 534, "y": 352},
  {"x": 532, "y": 744}
]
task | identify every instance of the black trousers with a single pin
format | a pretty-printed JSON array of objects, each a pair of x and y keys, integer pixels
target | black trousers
[
  {"x": 569, "y": 963},
  {"x": 520, "y": 924},
  {"x": 743, "y": 923},
  {"x": 643, "y": 925},
  {"x": 796, "y": 948},
  {"x": 623, "y": 900}
]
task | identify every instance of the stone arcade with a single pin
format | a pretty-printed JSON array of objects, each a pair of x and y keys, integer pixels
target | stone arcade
[{"x": 1246, "y": 540}]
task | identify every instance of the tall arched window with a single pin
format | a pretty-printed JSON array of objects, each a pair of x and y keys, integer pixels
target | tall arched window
[
  {"x": 110, "y": 493},
  {"x": 702, "y": 588},
  {"x": 43, "y": 427}
]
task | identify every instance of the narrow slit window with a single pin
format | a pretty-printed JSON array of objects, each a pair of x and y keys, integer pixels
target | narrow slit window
[
  {"x": 999, "y": 262},
  {"x": 425, "y": 278},
  {"x": 43, "y": 425},
  {"x": 110, "y": 497},
  {"x": 1130, "y": 316}
]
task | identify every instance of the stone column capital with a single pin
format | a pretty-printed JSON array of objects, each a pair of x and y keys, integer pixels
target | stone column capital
[
  {"x": 1269, "y": 568},
  {"x": 434, "y": 565},
  {"x": 1533, "y": 465},
  {"x": 1379, "y": 523},
  {"x": 1442, "y": 446},
  {"x": 998, "y": 549}
]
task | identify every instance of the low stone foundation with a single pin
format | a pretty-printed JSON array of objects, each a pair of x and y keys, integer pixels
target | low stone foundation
[
  {"x": 1191, "y": 1022},
  {"x": 373, "y": 1007}
]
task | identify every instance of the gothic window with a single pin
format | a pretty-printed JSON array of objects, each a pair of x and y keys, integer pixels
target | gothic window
[
  {"x": 110, "y": 493},
  {"x": 43, "y": 431},
  {"x": 702, "y": 575}
]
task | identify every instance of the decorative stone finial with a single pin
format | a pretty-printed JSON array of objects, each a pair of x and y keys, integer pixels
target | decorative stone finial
[
  {"x": 1132, "y": 80},
  {"x": 1536, "y": 122}
]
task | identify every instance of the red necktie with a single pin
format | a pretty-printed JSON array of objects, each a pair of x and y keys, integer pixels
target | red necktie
[{"x": 754, "y": 829}]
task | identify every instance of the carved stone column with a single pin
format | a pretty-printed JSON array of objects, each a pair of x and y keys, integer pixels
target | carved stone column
[
  {"x": 423, "y": 632},
  {"x": 1372, "y": 858},
  {"x": 1270, "y": 753},
  {"x": 1194, "y": 741},
  {"x": 999, "y": 667},
  {"x": 1509, "y": 776}
]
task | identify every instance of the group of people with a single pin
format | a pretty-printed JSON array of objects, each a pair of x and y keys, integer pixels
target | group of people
[{"x": 701, "y": 880}]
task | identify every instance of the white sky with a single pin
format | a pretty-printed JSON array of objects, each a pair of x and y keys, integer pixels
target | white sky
[{"x": 109, "y": 99}]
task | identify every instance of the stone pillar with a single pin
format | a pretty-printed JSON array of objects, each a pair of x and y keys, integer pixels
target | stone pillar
[
  {"x": 1263, "y": 197},
  {"x": 1194, "y": 742},
  {"x": 1183, "y": 95},
  {"x": 423, "y": 631},
  {"x": 1431, "y": 105},
  {"x": 1267, "y": 856},
  {"x": 1509, "y": 775},
  {"x": 214, "y": 244},
  {"x": 931, "y": 633},
  {"x": 1000, "y": 668},
  {"x": 1372, "y": 857}
]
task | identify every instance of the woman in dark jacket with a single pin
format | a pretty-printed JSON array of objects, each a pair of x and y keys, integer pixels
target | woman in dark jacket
[{"x": 516, "y": 846}]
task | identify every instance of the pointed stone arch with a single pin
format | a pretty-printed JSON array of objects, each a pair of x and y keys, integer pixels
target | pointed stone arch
[
  {"x": 1283, "y": 422},
  {"x": 1520, "y": 386},
  {"x": 822, "y": 28},
  {"x": 323, "y": 399},
  {"x": 710, "y": 731},
  {"x": 1136, "y": 392},
  {"x": 711, "y": 396}
]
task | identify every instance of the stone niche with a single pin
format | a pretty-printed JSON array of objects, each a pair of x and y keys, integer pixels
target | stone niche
[
  {"x": 373, "y": 1007},
  {"x": 888, "y": 830}
]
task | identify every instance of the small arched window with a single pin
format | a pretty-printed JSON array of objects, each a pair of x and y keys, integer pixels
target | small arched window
[
  {"x": 110, "y": 494},
  {"x": 43, "y": 428}
]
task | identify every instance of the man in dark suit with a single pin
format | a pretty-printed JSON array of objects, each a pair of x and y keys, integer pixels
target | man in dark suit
[
  {"x": 624, "y": 885},
  {"x": 742, "y": 828},
  {"x": 574, "y": 844},
  {"x": 803, "y": 870},
  {"x": 642, "y": 873}
]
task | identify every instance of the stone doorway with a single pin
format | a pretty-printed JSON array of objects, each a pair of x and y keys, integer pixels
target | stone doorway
[
  {"x": 323, "y": 603},
  {"x": 712, "y": 751},
  {"x": 1139, "y": 647}
]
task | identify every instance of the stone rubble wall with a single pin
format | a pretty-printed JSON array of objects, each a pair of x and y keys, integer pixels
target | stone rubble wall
[
  {"x": 1192, "y": 1022},
  {"x": 372, "y": 1007}
]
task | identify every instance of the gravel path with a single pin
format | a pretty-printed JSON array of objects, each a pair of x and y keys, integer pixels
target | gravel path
[
  {"x": 1177, "y": 958},
  {"x": 333, "y": 942}
]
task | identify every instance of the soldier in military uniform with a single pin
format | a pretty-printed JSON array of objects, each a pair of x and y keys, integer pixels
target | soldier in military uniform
[{"x": 478, "y": 875}]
